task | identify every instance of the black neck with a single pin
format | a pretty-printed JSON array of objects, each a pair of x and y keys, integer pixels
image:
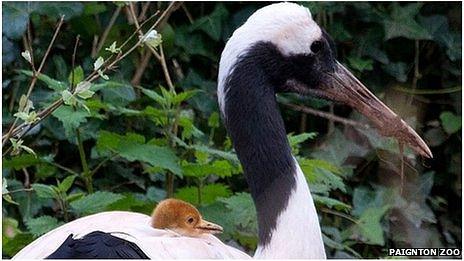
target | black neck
[{"x": 255, "y": 125}]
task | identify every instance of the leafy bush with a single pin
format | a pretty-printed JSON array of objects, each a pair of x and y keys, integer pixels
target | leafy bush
[{"x": 96, "y": 135}]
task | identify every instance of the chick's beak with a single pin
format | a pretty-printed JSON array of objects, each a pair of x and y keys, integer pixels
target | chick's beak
[
  {"x": 340, "y": 85},
  {"x": 208, "y": 227}
]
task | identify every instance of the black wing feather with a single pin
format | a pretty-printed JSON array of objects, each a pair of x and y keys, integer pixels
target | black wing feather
[{"x": 99, "y": 245}]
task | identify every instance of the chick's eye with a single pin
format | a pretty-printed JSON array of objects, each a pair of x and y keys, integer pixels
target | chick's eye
[
  {"x": 190, "y": 220},
  {"x": 316, "y": 46}
]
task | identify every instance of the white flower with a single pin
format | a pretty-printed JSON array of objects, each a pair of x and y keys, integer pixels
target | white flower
[{"x": 152, "y": 38}]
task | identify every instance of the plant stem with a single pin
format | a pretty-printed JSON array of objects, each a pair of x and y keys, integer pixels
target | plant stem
[
  {"x": 326, "y": 115},
  {"x": 18, "y": 190},
  {"x": 65, "y": 209},
  {"x": 426, "y": 92},
  {"x": 102, "y": 163},
  {"x": 329, "y": 211},
  {"x": 107, "y": 31},
  {"x": 199, "y": 187},
  {"x": 70, "y": 171},
  {"x": 85, "y": 167}
]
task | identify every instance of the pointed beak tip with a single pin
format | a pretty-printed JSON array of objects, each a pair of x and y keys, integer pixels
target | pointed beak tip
[
  {"x": 344, "y": 87},
  {"x": 209, "y": 227}
]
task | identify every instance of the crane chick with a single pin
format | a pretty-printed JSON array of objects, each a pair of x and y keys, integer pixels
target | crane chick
[{"x": 182, "y": 218}]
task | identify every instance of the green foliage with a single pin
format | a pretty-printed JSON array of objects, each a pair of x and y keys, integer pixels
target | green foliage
[
  {"x": 118, "y": 140},
  {"x": 450, "y": 122},
  {"x": 41, "y": 225},
  {"x": 94, "y": 203},
  {"x": 132, "y": 147},
  {"x": 203, "y": 195}
]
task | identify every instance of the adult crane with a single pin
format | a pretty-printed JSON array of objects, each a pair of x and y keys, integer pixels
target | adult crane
[{"x": 280, "y": 48}]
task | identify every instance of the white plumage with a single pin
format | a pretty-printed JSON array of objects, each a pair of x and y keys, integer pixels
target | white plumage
[{"x": 134, "y": 227}]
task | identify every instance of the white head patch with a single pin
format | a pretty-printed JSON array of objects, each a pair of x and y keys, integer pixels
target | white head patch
[{"x": 287, "y": 25}]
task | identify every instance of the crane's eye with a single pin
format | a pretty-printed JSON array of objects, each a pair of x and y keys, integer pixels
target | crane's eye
[
  {"x": 190, "y": 220},
  {"x": 316, "y": 46}
]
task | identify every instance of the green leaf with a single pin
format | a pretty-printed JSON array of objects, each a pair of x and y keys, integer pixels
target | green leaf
[
  {"x": 156, "y": 194},
  {"x": 221, "y": 168},
  {"x": 212, "y": 23},
  {"x": 242, "y": 210},
  {"x": 337, "y": 149},
  {"x": 50, "y": 82},
  {"x": 132, "y": 147},
  {"x": 222, "y": 154},
  {"x": 66, "y": 184},
  {"x": 22, "y": 161},
  {"x": 95, "y": 202},
  {"x": 41, "y": 225},
  {"x": 359, "y": 64},
  {"x": 193, "y": 44},
  {"x": 74, "y": 196},
  {"x": 402, "y": 23},
  {"x": 45, "y": 191},
  {"x": 86, "y": 94},
  {"x": 183, "y": 96},
  {"x": 9, "y": 228},
  {"x": 321, "y": 176},
  {"x": 78, "y": 76},
  {"x": 368, "y": 228},
  {"x": 115, "y": 93},
  {"x": 68, "y": 98},
  {"x": 56, "y": 10},
  {"x": 213, "y": 120},
  {"x": 209, "y": 193},
  {"x": 13, "y": 246},
  {"x": 93, "y": 8},
  {"x": 451, "y": 122},
  {"x": 70, "y": 118},
  {"x": 300, "y": 138},
  {"x": 331, "y": 203},
  {"x": 5, "y": 192},
  {"x": 127, "y": 203}
]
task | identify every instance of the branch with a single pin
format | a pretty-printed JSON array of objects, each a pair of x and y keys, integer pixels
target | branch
[
  {"x": 326, "y": 115},
  {"x": 73, "y": 62},
  {"x": 187, "y": 13},
  {"x": 159, "y": 56},
  {"x": 144, "y": 11},
  {"x": 94, "y": 75},
  {"x": 35, "y": 75},
  {"x": 141, "y": 68},
  {"x": 107, "y": 31}
]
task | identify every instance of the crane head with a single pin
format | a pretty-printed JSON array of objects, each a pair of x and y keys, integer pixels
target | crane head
[{"x": 296, "y": 55}]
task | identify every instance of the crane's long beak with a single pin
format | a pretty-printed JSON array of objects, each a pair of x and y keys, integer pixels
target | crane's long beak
[
  {"x": 343, "y": 87},
  {"x": 208, "y": 227}
]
